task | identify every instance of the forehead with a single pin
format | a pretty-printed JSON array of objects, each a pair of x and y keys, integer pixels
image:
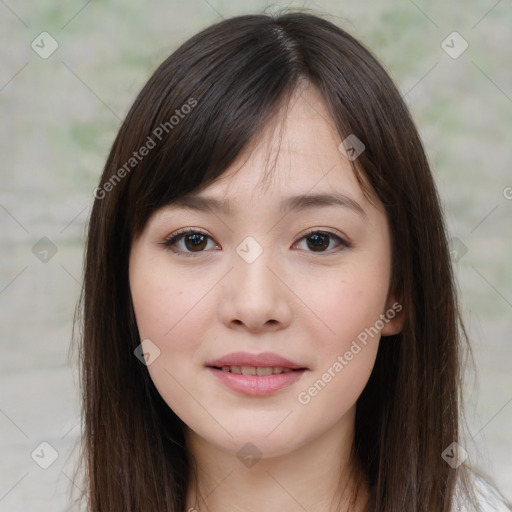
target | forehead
[{"x": 296, "y": 154}]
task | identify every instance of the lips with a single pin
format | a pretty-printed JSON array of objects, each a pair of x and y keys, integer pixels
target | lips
[
  {"x": 261, "y": 371},
  {"x": 263, "y": 360},
  {"x": 256, "y": 374}
]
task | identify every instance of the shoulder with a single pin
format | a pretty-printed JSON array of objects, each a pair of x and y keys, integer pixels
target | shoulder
[{"x": 489, "y": 498}]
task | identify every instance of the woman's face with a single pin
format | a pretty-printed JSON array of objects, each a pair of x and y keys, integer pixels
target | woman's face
[{"x": 257, "y": 330}]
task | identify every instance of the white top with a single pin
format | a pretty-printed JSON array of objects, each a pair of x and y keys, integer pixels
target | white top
[{"x": 489, "y": 499}]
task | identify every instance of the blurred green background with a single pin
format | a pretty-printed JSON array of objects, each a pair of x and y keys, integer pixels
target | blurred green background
[{"x": 60, "y": 113}]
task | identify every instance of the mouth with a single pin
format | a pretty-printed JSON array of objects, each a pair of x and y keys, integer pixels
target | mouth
[
  {"x": 246, "y": 363},
  {"x": 260, "y": 371},
  {"x": 255, "y": 374}
]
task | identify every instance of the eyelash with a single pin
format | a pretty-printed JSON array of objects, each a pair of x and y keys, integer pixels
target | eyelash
[{"x": 175, "y": 237}]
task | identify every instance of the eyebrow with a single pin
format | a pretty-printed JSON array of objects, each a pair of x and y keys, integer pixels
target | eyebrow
[{"x": 288, "y": 204}]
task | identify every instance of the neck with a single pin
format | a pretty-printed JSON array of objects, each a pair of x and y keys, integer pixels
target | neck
[{"x": 319, "y": 476}]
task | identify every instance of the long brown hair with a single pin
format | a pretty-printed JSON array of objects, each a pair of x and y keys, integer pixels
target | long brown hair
[{"x": 204, "y": 104}]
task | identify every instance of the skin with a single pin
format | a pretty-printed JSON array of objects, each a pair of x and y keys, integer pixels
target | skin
[{"x": 307, "y": 306}]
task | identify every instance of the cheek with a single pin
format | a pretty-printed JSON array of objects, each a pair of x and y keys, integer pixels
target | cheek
[
  {"x": 164, "y": 301},
  {"x": 345, "y": 303},
  {"x": 170, "y": 311},
  {"x": 349, "y": 302},
  {"x": 350, "y": 308},
  {"x": 336, "y": 387}
]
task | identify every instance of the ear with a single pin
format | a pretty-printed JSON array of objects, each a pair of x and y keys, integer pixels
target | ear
[{"x": 393, "y": 317}]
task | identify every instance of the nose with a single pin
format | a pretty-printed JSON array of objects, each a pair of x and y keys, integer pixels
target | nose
[{"x": 254, "y": 296}]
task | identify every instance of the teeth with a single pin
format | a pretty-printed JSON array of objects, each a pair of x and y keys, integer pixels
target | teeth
[
  {"x": 264, "y": 371},
  {"x": 260, "y": 370},
  {"x": 248, "y": 370}
]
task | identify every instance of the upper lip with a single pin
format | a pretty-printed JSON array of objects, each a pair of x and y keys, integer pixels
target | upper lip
[{"x": 263, "y": 360}]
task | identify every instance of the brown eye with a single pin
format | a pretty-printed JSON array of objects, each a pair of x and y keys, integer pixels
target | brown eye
[
  {"x": 319, "y": 241},
  {"x": 193, "y": 242}
]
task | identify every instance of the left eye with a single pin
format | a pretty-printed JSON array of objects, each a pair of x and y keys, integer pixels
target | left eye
[
  {"x": 318, "y": 241},
  {"x": 197, "y": 241}
]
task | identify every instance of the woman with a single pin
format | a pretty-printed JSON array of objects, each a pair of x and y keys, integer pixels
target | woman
[{"x": 295, "y": 345}]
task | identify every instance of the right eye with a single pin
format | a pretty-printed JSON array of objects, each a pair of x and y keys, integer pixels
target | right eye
[{"x": 193, "y": 241}]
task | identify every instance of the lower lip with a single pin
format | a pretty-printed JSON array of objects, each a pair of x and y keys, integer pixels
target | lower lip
[{"x": 254, "y": 385}]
